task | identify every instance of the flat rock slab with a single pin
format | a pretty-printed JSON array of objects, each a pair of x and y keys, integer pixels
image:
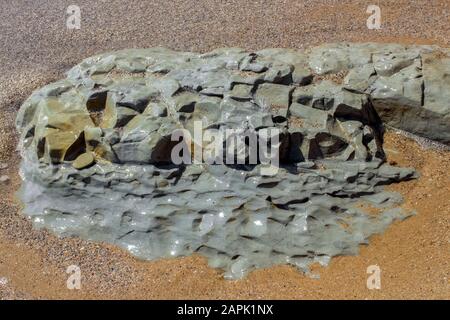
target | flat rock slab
[{"x": 97, "y": 149}]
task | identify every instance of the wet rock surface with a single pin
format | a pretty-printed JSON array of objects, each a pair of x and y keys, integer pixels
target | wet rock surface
[{"x": 102, "y": 135}]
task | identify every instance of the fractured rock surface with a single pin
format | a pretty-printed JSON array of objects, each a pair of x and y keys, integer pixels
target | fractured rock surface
[
  {"x": 102, "y": 136},
  {"x": 408, "y": 85}
]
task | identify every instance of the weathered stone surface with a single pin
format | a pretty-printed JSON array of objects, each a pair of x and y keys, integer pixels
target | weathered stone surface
[
  {"x": 275, "y": 97},
  {"x": 103, "y": 135},
  {"x": 84, "y": 160},
  {"x": 436, "y": 74},
  {"x": 396, "y": 79},
  {"x": 241, "y": 92},
  {"x": 360, "y": 78}
]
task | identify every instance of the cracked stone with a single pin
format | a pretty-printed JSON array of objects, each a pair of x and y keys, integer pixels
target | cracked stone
[{"x": 239, "y": 217}]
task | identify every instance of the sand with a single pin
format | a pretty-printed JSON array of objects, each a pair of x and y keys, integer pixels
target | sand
[{"x": 414, "y": 255}]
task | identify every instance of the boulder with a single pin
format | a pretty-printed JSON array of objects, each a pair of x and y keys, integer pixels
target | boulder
[{"x": 98, "y": 154}]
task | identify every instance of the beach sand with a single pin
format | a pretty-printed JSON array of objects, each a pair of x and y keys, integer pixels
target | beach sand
[{"x": 413, "y": 255}]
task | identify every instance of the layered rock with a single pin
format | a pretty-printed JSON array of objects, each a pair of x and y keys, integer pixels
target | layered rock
[
  {"x": 97, "y": 149},
  {"x": 408, "y": 85}
]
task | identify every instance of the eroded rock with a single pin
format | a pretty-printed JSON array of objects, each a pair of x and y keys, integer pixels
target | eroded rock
[{"x": 97, "y": 149}]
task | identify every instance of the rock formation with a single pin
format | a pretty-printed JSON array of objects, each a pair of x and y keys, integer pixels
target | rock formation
[{"x": 97, "y": 149}]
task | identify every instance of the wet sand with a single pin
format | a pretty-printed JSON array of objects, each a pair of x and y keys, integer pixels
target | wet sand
[{"x": 414, "y": 255}]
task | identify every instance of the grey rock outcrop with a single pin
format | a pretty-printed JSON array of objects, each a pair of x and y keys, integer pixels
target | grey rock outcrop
[
  {"x": 408, "y": 85},
  {"x": 97, "y": 146}
]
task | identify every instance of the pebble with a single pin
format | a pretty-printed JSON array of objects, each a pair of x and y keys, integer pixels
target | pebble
[
  {"x": 4, "y": 179},
  {"x": 3, "y": 166},
  {"x": 84, "y": 160},
  {"x": 3, "y": 281}
]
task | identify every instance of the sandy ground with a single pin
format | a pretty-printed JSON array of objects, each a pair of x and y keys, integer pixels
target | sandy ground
[{"x": 36, "y": 48}]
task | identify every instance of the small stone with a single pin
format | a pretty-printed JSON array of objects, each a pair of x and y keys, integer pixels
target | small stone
[
  {"x": 3, "y": 166},
  {"x": 83, "y": 160},
  {"x": 3, "y": 281},
  {"x": 4, "y": 179}
]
